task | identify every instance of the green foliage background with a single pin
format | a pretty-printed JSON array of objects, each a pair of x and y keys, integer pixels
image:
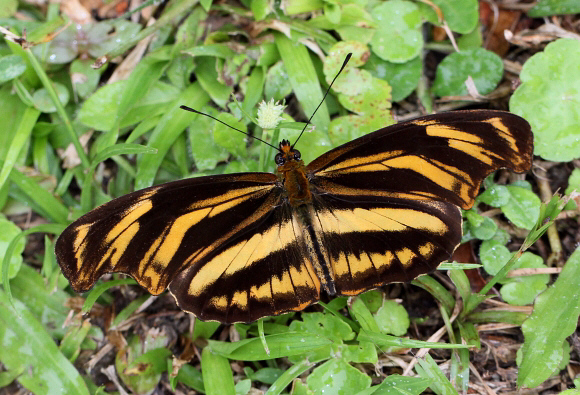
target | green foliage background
[{"x": 75, "y": 136}]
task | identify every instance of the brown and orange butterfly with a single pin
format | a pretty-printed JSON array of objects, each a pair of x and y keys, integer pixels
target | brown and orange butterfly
[{"x": 380, "y": 209}]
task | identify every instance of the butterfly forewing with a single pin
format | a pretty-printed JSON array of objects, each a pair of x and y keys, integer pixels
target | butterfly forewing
[
  {"x": 437, "y": 157},
  {"x": 155, "y": 233}
]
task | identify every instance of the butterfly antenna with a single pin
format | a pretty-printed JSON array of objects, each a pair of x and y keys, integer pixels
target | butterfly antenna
[
  {"x": 324, "y": 97},
  {"x": 229, "y": 126}
]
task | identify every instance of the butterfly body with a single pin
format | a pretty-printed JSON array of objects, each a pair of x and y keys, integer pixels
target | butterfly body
[{"x": 382, "y": 208}]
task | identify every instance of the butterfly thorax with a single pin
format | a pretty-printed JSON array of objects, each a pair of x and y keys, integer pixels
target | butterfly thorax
[{"x": 291, "y": 173}]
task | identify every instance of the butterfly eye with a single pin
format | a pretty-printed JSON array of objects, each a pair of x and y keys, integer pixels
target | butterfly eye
[
  {"x": 297, "y": 155},
  {"x": 279, "y": 159}
]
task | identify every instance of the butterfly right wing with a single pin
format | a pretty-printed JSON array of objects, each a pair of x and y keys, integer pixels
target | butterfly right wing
[
  {"x": 227, "y": 246},
  {"x": 152, "y": 234},
  {"x": 266, "y": 271}
]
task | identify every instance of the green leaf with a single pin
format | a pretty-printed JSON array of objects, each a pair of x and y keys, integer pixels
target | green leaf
[
  {"x": 171, "y": 125},
  {"x": 493, "y": 256},
  {"x": 20, "y": 138},
  {"x": 352, "y": 81},
  {"x": 573, "y": 185},
  {"x": 326, "y": 325},
  {"x": 554, "y": 7},
  {"x": 398, "y": 385},
  {"x": 207, "y": 76},
  {"x": 495, "y": 196},
  {"x": 221, "y": 51},
  {"x": 260, "y": 8},
  {"x": 8, "y": 8},
  {"x": 363, "y": 352},
  {"x": 548, "y": 99},
  {"x": 373, "y": 299},
  {"x": 227, "y": 138},
  {"x": 485, "y": 67},
  {"x": 28, "y": 348},
  {"x": 392, "y": 318},
  {"x": 99, "y": 110},
  {"x": 47, "y": 305},
  {"x": 11, "y": 66},
  {"x": 277, "y": 86},
  {"x": 484, "y": 228},
  {"x": 84, "y": 78},
  {"x": 8, "y": 231},
  {"x": 554, "y": 318},
  {"x": 218, "y": 377},
  {"x": 98, "y": 290},
  {"x": 523, "y": 290},
  {"x": 402, "y": 77},
  {"x": 427, "y": 368},
  {"x": 337, "y": 377},
  {"x": 398, "y": 342},
  {"x": 280, "y": 345},
  {"x": 363, "y": 316},
  {"x": 461, "y": 16},
  {"x": 191, "y": 377},
  {"x": 523, "y": 208},
  {"x": 303, "y": 79},
  {"x": 206, "y": 153},
  {"x": 43, "y": 101},
  {"x": 398, "y": 38}
]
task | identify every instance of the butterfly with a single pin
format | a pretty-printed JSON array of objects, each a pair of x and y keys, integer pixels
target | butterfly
[{"x": 234, "y": 248}]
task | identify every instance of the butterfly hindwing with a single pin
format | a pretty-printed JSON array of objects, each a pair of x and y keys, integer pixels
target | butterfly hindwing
[
  {"x": 438, "y": 157},
  {"x": 153, "y": 234},
  {"x": 370, "y": 242},
  {"x": 264, "y": 271}
]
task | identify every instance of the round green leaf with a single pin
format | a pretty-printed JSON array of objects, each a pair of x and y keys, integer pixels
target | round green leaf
[
  {"x": 352, "y": 81},
  {"x": 493, "y": 256},
  {"x": 43, "y": 102},
  {"x": 11, "y": 66},
  {"x": 398, "y": 37},
  {"x": 336, "y": 377},
  {"x": 523, "y": 290},
  {"x": 496, "y": 196},
  {"x": 523, "y": 208},
  {"x": 461, "y": 16},
  {"x": 103, "y": 37},
  {"x": 485, "y": 67},
  {"x": 375, "y": 99},
  {"x": 373, "y": 299},
  {"x": 486, "y": 230},
  {"x": 549, "y": 99},
  {"x": 392, "y": 318},
  {"x": 402, "y": 77}
]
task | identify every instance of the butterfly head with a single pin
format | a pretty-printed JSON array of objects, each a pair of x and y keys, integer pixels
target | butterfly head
[{"x": 287, "y": 154}]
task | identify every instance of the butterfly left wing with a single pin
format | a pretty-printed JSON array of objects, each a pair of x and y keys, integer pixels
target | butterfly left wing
[
  {"x": 386, "y": 205},
  {"x": 369, "y": 242},
  {"x": 441, "y": 157}
]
